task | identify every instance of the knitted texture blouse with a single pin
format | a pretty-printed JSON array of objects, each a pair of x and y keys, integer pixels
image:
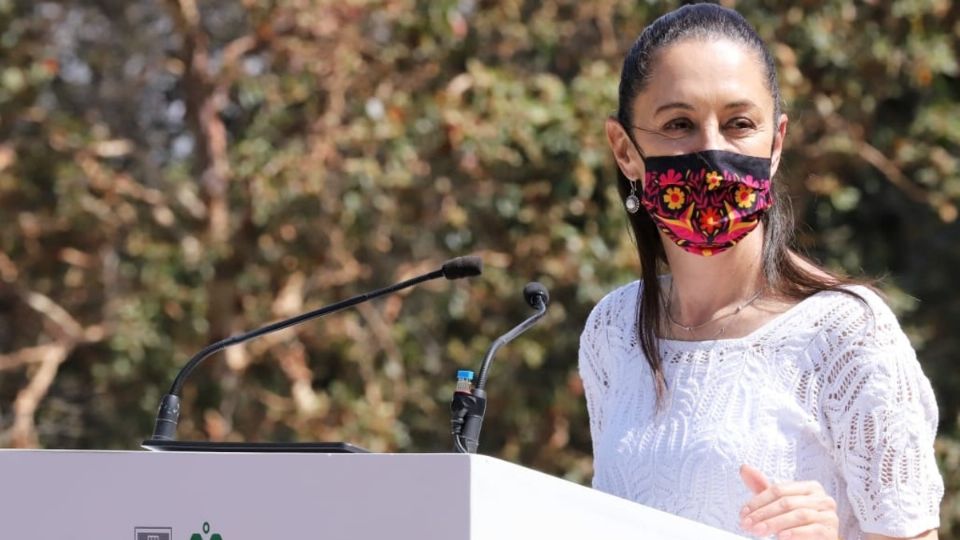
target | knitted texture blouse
[{"x": 829, "y": 390}]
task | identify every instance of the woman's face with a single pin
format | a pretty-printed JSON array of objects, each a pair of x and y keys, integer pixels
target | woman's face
[{"x": 702, "y": 95}]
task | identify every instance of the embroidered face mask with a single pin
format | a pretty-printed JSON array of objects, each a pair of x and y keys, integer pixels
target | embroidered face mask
[{"x": 707, "y": 201}]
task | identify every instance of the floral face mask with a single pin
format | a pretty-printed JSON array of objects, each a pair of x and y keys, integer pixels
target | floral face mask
[{"x": 707, "y": 201}]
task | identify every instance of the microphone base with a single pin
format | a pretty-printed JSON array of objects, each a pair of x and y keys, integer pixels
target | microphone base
[{"x": 160, "y": 445}]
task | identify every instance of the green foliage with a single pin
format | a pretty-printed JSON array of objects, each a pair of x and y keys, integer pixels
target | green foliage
[{"x": 167, "y": 180}]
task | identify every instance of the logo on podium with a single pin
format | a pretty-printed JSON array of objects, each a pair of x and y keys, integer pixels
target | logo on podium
[
  {"x": 152, "y": 533},
  {"x": 206, "y": 530}
]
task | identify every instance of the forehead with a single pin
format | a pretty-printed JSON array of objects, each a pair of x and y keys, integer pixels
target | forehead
[{"x": 705, "y": 73}]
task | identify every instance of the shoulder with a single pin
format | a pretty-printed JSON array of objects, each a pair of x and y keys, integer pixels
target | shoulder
[
  {"x": 857, "y": 318},
  {"x": 868, "y": 360},
  {"x": 615, "y": 307},
  {"x": 612, "y": 320},
  {"x": 606, "y": 335}
]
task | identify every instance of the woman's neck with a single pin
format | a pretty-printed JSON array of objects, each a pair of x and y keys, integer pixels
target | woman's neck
[{"x": 707, "y": 287}]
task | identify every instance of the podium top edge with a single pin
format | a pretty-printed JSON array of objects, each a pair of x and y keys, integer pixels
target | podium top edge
[{"x": 141, "y": 451}]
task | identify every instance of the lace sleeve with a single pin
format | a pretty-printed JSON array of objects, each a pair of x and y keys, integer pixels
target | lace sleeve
[
  {"x": 882, "y": 416},
  {"x": 594, "y": 371}
]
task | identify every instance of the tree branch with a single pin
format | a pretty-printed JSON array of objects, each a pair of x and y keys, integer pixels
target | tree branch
[
  {"x": 69, "y": 333},
  {"x": 23, "y": 433}
]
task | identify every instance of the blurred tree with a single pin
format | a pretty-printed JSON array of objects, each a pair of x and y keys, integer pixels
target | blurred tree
[{"x": 172, "y": 173}]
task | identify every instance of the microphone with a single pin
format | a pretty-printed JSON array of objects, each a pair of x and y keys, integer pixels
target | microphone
[
  {"x": 169, "y": 411},
  {"x": 468, "y": 406}
]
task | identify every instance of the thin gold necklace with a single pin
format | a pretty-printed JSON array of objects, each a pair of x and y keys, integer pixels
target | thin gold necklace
[{"x": 739, "y": 308}]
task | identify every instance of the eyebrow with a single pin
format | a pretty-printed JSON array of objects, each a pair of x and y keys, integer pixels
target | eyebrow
[
  {"x": 743, "y": 103},
  {"x": 673, "y": 105}
]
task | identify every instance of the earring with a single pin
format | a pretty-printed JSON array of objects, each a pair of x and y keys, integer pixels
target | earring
[{"x": 632, "y": 202}]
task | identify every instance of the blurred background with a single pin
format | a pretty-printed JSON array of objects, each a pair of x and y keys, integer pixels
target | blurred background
[{"x": 173, "y": 172}]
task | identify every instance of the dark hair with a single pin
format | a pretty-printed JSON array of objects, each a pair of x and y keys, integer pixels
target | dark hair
[{"x": 781, "y": 270}]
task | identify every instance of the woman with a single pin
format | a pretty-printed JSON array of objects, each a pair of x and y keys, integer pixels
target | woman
[{"x": 748, "y": 389}]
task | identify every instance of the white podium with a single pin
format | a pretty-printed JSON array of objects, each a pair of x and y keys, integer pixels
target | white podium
[{"x": 101, "y": 495}]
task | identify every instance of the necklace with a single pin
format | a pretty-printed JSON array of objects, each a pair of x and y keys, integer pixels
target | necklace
[{"x": 739, "y": 308}]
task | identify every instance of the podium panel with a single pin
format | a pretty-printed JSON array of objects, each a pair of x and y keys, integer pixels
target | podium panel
[{"x": 104, "y": 495}]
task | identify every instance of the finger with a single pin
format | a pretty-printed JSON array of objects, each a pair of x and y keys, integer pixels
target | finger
[
  {"x": 813, "y": 531},
  {"x": 790, "y": 520},
  {"x": 755, "y": 480},
  {"x": 787, "y": 504},
  {"x": 777, "y": 491}
]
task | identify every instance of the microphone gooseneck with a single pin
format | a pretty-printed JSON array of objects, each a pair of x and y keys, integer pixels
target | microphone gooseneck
[
  {"x": 467, "y": 408},
  {"x": 169, "y": 411},
  {"x": 537, "y": 297}
]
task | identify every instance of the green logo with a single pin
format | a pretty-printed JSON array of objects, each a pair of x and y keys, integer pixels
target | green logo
[{"x": 206, "y": 530}]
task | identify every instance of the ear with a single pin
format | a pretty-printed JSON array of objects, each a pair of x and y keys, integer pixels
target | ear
[
  {"x": 778, "y": 138},
  {"x": 624, "y": 151}
]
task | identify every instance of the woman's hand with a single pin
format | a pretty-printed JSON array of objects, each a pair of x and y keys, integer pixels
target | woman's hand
[{"x": 795, "y": 510}]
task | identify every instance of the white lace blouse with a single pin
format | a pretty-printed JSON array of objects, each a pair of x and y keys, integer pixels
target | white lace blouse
[{"x": 829, "y": 390}]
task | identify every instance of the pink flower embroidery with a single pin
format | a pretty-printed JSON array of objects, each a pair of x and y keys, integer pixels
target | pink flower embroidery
[{"x": 670, "y": 177}]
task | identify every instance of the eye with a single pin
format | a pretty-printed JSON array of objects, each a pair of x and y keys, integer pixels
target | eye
[
  {"x": 678, "y": 124},
  {"x": 741, "y": 124}
]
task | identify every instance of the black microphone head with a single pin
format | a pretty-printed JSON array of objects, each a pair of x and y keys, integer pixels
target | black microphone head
[
  {"x": 462, "y": 267},
  {"x": 534, "y": 290}
]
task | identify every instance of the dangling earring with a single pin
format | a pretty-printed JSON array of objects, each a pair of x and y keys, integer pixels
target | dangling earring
[{"x": 632, "y": 202}]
